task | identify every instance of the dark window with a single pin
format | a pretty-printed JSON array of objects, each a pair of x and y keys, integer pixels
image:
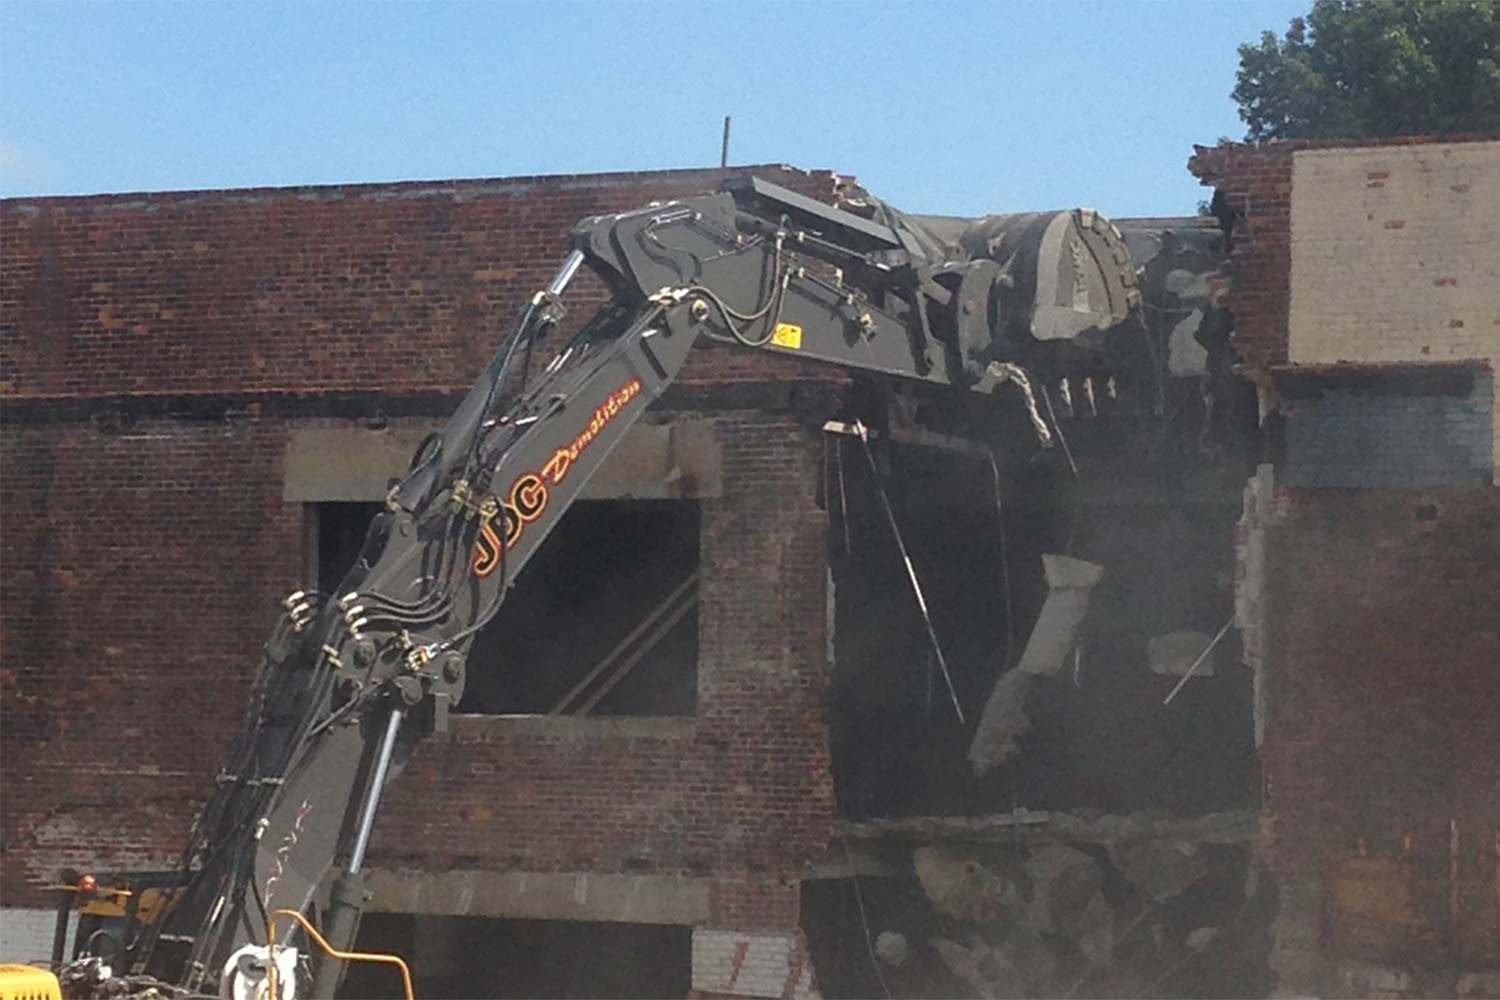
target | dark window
[
  {"x": 606, "y": 612},
  {"x": 483, "y": 957},
  {"x": 339, "y": 531}
]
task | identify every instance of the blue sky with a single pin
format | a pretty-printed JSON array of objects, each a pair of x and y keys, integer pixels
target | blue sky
[{"x": 944, "y": 108}]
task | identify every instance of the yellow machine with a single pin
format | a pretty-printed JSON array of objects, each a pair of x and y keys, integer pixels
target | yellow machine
[
  {"x": 25, "y": 982},
  {"x": 112, "y": 911}
]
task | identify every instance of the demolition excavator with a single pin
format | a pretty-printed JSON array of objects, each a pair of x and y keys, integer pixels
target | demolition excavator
[{"x": 351, "y": 680}]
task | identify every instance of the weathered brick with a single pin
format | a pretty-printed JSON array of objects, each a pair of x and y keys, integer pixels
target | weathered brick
[
  {"x": 155, "y": 353},
  {"x": 1379, "y": 709}
]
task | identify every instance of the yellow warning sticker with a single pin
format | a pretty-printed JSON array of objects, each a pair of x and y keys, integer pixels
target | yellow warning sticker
[{"x": 787, "y": 335}]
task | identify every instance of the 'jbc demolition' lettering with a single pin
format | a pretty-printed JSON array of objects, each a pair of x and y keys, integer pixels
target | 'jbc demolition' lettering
[{"x": 528, "y": 495}]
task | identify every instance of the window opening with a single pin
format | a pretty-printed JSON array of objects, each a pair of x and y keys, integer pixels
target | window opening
[
  {"x": 602, "y": 621},
  {"x": 339, "y": 534},
  {"x": 479, "y": 957}
]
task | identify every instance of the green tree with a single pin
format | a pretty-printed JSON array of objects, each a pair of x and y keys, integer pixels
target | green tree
[{"x": 1375, "y": 68}]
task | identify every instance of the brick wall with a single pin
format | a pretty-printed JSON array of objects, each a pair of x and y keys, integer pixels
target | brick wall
[
  {"x": 745, "y": 798},
  {"x": 1369, "y": 614},
  {"x": 396, "y": 288},
  {"x": 138, "y": 585},
  {"x": 155, "y": 353},
  {"x": 1379, "y": 729},
  {"x": 1394, "y": 254},
  {"x": 1346, "y": 258},
  {"x": 1257, "y": 187},
  {"x": 1387, "y": 426}
]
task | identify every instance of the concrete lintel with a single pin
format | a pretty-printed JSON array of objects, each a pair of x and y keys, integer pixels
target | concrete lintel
[
  {"x": 855, "y": 859},
  {"x": 632, "y": 899},
  {"x": 679, "y": 459},
  {"x": 918, "y": 437},
  {"x": 676, "y": 460},
  {"x": 349, "y": 464},
  {"x": 1228, "y": 827}
]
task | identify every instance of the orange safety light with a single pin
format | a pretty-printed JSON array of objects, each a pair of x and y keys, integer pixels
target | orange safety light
[{"x": 88, "y": 883}]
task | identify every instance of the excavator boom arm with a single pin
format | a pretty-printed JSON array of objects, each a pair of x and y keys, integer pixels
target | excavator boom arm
[{"x": 350, "y": 680}]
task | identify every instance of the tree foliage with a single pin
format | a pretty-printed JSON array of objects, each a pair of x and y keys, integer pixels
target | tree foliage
[{"x": 1375, "y": 68}]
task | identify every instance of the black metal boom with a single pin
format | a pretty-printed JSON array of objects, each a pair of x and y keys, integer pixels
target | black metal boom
[{"x": 351, "y": 680}]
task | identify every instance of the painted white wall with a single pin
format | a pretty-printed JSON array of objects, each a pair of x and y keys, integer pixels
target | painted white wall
[{"x": 26, "y": 935}]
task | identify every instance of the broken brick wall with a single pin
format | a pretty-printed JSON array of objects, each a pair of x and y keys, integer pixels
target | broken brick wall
[
  {"x": 1362, "y": 274},
  {"x": 1394, "y": 255},
  {"x": 1359, "y": 250},
  {"x": 1380, "y": 750},
  {"x": 159, "y": 350}
]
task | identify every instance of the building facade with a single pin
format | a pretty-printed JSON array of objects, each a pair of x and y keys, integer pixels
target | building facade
[
  {"x": 204, "y": 392},
  {"x": 235, "y": 375},
  {"x": 1365, "y": 284}
]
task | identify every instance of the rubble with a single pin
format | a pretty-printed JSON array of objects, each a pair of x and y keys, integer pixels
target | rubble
[
  {"x": 1160, "y": 868},
  {"x": 1202, "y": 938},
  {"x": 986, "y": 969},
  {"x": 1069, "y": 583},
  {"x": 1004, "y": 722},
  {"x": 962, "y": 887},
  {"x": 1026, "y": 952},
  {"x": 1032, "y": 903},
  {"x": 891, "y": 948},
  {"x": 1064, "y": 881},
  {"x": 1229, "y": 827},
  {"x": 1478, "y": 984},
  {"x": 1096, "y": 931},
  {"x": 1176, "y": 652}
]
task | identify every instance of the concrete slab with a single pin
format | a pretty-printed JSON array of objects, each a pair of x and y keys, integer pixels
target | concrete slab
[
  {"x": 631, "y": 899},
  {"x": 671, "y": 461}
]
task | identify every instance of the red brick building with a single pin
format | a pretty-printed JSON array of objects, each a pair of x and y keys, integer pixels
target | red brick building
[
  {"x": 184, "y": 373},
  {"x": 1365, "y": 286},
  {"x": 200, "y": 390}
]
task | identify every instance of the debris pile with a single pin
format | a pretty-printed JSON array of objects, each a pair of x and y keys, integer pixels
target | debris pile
[
  {"x": 1069, "y": 583},
  {"x": 92, "y": 979},
  {"x": 1073, "y": 905},
  {"x": 1177, "y": 652}
]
